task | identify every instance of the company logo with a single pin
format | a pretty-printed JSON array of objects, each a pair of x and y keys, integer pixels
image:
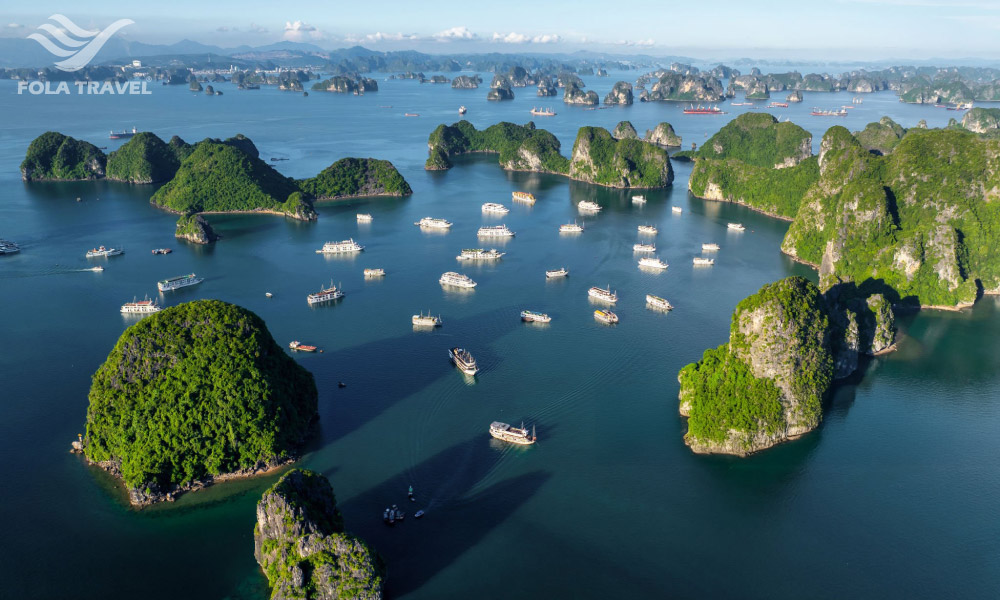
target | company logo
[{"x": 71, "y": 42}]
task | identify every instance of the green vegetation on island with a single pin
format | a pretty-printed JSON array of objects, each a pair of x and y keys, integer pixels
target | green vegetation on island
[
  {"x": 143, "y": 159},
  {"x": 597, "y": 156},
  {"x": 768, "y": 382},
  {"x": 300, "y": 544},
  {"x": 881, "y": 137},
  {"x": 195, "y": 229},
  {"x": 53, "y": 156},
  {"x": 756, "y": 161},
  {"x": 520, "y": 147},
  {"x": 921, "y": 223},
  {"x": 197, "y": 391},
  {"x": 982, "y": 120},
  {"x": 355, "y": 177},
  {"x": 627, "y": 163},
  {"x": 219, "y": 177}
]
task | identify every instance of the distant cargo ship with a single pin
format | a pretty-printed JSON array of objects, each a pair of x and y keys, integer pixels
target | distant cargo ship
[
  {"x": 704, "y": 110},
  {"x": 816, "y": 112},
  {"x": 121, "y": 135},
  {"x": 543, "y": 112}
]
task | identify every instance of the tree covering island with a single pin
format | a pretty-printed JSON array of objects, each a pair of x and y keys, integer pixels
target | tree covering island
[
  {"x": 787, "y": 344},
  {"x": 219, "y": 177},
  {"x": 756, "y": 161},
  {"x": 53, "y": 156},
  {"x": 211, "y": 176},
  {"x": 356, "y": 177},
  {"x": 597, "y": 156},
  {"x": 195, "y": 393},
  {"x": 300, "y": 544},
  {"x": 910, "y": 213}
]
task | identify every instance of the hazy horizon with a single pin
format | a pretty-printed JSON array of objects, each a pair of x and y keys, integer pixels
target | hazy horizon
[{"x": 837, "y": 31}]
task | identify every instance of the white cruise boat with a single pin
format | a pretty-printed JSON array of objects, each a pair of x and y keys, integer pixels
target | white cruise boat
[
  {"x": 498, "y": 231},
  {"x": 710, "y": 247},
  {"x": 456, "y": 280},
  {"x": 432, "y": 223},
  {"x": 640, "y": 247},
  {"x": 571, "y": 228},
  {"x": 588, "y": 206},
  {"x": 638, "y": 199},
  {"x": 141, "y": 307},
  {"x": 514, "y": 435},
  {"x": 652, "y": 262},
  {"x": 178, "y": 282},
  {"x": 704, "y": 262},
  {"x": 648, "y": 229},
  {"x": 8, "y": 247},
  {"x": 736, "y": 226},
  {"x": 603, "y": 294},
  {"x": 676, "y": 210},
  {"x": 102, "y": 252},
  {"x": 463, "y": 360},
  {"x": 525, "y": 197},
  {"x": 496, "y": 209},
  {"x": 364, "y": 218},
  {"x": 374, "y": 272},
  {"x": 529, "y": 316},
  {"x": 563, "y": 272},
  {"x": 480, "y": 254},
  {"x": 325, "y": 295},
  {"x": 606, "y": 316},
  {"x": 428, "y": 320},
  {"x": 658, "y": 303},
  {"x": 342, "y": 247}
]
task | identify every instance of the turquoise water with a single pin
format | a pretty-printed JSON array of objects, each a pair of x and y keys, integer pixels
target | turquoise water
[{"x": 892, "y": 497}]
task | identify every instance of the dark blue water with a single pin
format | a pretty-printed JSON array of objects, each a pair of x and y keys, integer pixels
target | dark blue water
[{"x": 892, "y": 497}]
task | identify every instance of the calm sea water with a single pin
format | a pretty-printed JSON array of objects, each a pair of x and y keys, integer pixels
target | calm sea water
[{"x": 892, "y": 497}]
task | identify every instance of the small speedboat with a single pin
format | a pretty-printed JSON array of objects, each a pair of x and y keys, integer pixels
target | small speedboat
[
  {"x": 418, "y": 514},
  {"x": 268, "y": 295}
]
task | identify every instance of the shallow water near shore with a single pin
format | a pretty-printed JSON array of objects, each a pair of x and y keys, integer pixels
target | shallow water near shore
[{"x": 893, "y": 496}]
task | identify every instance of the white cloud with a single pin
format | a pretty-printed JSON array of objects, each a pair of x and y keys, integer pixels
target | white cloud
[
  {"x": 379, "y": 36},
  {"x": 222, "y": 29},
  {"x": 455, "y": 33},
  {"x": 523, "y": 38},
  {"x": 644, "y": 43},
  {"x": 255, "y": 28},
  {"x": 297, "y": 31},
  {"x": 14, "y": 25}
]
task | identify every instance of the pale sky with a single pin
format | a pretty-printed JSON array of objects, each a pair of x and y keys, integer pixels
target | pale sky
[{"x": 829, "y": 30}]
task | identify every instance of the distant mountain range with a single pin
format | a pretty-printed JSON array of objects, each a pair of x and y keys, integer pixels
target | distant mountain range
[{"x": 18, "y": 52}]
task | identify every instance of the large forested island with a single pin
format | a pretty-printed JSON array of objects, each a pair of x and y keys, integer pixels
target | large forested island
[
  {"x": 211, "y": 176},
  {"x": 299, "y": 542},
  {"x": 909, "y": 213},
  {"x": 597, "y": 157},
  {"x": 195, "y": 393},
  {"x": 787, "y": 344}
]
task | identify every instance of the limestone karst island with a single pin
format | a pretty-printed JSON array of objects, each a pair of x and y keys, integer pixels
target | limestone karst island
[{"x": 596, "y": 301}]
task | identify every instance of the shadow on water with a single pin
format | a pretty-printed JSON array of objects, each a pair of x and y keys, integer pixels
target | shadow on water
[
  {"x": 369, "y": 392},
  {"x": 458, "y": 514}
]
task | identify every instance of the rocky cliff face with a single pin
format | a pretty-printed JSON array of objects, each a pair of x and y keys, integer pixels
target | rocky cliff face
[
  {"x": 195, "y": 229},
  {"x": 787, "y": 343},
  {"x": 621, "y": 93},
  {"x": 663, "y": 135},
  {"x": 466, "y": 82},
  {"x": 981, "y": 120},
  {"x": 881, "y": 137},
  {"x": 629, "y": 163},
  {"x": 916, "y": 223},
  {"x": 575, "y": 95},
  {"x": 795, "y": 96},
  {"x": 299, "y": 542},
  {"x": 624, "y": 130},
  {"x": 500, "y": 89},
  {"x": 546, "y": 87},
  {"x": 673, "y": 86}
]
